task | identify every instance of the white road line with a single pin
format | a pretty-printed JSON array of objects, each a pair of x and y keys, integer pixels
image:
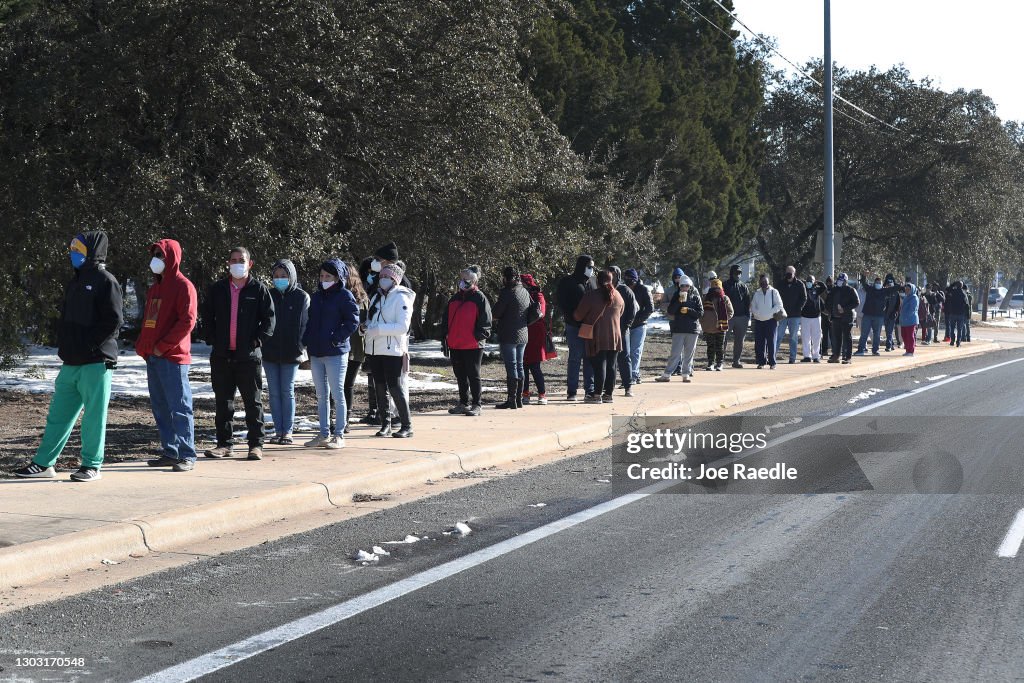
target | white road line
[
  {"x": 1014, "y": 536},
  {"x": 286, "y": 633}
]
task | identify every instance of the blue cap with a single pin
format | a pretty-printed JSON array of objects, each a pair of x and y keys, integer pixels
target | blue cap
[{"x": 677, "y": 271}]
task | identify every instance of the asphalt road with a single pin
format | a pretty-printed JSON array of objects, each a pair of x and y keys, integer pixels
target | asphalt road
[{"x": 847, "y": 585}]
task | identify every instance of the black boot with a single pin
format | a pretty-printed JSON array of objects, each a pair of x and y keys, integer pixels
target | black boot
[
  {"x": 385, "y": 428},
  {"x": 510, "y": 395},
  {"x": 519, "y": 392}
]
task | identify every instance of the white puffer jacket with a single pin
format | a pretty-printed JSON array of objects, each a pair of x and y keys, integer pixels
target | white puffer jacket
[{"x": 388, "y": 322}]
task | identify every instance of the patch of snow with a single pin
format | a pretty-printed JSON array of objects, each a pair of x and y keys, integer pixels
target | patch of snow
[
  {"x": 538, "y": 505},
  {"x": 657, "y": 322},
  {"x": 408, "y": 539},
  {"x": 377, "y": 550},
  {"x": 366, "y": 558},
  {"x": 463, "y": 528}
]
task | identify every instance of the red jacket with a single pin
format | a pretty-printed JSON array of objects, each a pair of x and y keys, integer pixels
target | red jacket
[
  {"x": 536, "y": 347},
  {"x": 170, "y": 311}
]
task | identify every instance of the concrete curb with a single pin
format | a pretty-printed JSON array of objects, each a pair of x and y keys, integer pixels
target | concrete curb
[{"x": 49, "y": 558}]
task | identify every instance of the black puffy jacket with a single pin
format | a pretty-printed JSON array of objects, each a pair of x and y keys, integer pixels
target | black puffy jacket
[{"x": 92, "y": 314}]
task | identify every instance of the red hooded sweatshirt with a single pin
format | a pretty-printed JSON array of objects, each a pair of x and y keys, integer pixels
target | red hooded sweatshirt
[{"x": 170, "y": 310}]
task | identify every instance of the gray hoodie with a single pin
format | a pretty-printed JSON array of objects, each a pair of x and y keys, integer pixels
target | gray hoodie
[{"x": 292, "y": 309}]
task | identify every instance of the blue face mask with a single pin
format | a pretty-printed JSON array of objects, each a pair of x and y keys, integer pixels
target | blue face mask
[
  {"x": 77, "y": 260},
  {"x": 371, "y": 278},
  {"x": 281, "y": 283},
  {"x": 878, "y": 285}
]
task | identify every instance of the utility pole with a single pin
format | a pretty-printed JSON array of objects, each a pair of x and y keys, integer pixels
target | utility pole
[{"x": 829, "y": 231}]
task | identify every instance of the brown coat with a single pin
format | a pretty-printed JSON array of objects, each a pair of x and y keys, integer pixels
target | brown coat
[{"x": 592, "y": 311}]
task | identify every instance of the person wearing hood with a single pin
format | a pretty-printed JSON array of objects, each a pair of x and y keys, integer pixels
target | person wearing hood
[
  {"x": 684, "y": 313},
  {"x": 873, "y": 315},
  {"x": 465, "y": 328},
  {"x": 512, "y": 321},
  {"x": 629, "y": 311},
  {"x": 810, "y": 321},
  {"x": 794, "y": 296},
  {"x": 638, "y": 329},
  {"x": 957, "y": 309},
  {"x": 601, "y": 310},
  {"x": 165, "y": 342},
  {"x": 569, "y": 293},
  {"x": 766, "y": 308},
  {"x": 930, "y": 322},
  {"x": 826, "y": 320},
  {"x": 333, "y": 319},
  {"x": 386, "y": 339},
  {"x": 284, "y": 351},
  {"x": 842, "y": 303},
  {"x": 538, "y": 348},
  {"x": 909, "y": 318},
  {"x": 677, "y": 275},
  {"x": 90, "y": 320},
  {"x": 237, "y": 318},
  {"x": 715, "y": 323},
  {"x": 739, "y": 297},
  {"x": 893, "y": 295}
]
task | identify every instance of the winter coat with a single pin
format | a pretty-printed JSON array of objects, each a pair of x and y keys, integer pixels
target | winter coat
[
  {"x": 291, "y": 313},
  {"x": 717, "y": 312},
  {"x": 909, "y": 314},
  {"x": 644, "y": 305},
  {"x": 847, "y": 298},
  {"x": 814, "y": 306},
  {"x": 604, "y": 316},
  {"x": 536, "y": 347},
  {"x": 764, "y": 304},
  {"x": 794, "y": 296},
  {"x": 570, "y": 291},
  {"x": 739, "y": 295},
  {"x": 333, "y": 318},
  {"x": 875, "y": 300},
  {"x": 92, "y": 313},
  {"x": 255, "y": 323},
  {"x": 510, "y": 314},
  {"x": 466, "y": 324},
  {"x": 388, "y": 321},
  {"x": 171, "y": 311},
  {"x": 688, "y": 322},
  {"x": 629, "y": 306},
  {"x": 957, "y": 302}
]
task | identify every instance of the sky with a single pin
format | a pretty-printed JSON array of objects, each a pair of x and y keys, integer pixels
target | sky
[{"x": 957, "y": 44}]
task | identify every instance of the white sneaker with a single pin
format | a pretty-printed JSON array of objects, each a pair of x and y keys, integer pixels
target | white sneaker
[
  {"x": 316, "y": 442},
  {"x": 663, "y": 378},
  {"x": 334, "y": 443}
]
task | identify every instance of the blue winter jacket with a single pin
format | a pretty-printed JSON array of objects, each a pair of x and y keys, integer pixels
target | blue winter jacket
[
  {"x": 333, "y": 318},
  {"x": 908, "y": 309}
]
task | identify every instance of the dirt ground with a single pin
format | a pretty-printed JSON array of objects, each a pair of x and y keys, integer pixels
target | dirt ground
[{"x": 131, "y": 433}]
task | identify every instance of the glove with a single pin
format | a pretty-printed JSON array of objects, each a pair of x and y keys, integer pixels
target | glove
[{"x": 444, "y": 348}]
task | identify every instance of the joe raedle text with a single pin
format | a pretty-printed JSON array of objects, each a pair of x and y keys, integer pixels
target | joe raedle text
[{"x": 703, "y": 472}]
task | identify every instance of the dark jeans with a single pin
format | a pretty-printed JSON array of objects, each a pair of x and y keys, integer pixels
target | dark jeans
[
  {"x": 351, "y": 372},
  {"x": 625, "y": 369},
  {"x": 466, "y": 365},
  {"x": 738, "y": 331},
  {"x": 842, "y": 339},
  {"x": 957, "y": 328},
  {"x": 227, "y": 376},
  {"x": 577, "y": 352},
  {"x": 764, "y": 340},
  {"x": 603, "y": 364},
  {"x": 387, "y": 379},
  {"x": 826, "y": 335},
  {"x": 538, "y": 379},
  {"x": 892, "y": 340}
]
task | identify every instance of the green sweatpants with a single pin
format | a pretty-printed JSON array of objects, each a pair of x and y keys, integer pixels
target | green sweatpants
[{"x": 77, "y": 387}]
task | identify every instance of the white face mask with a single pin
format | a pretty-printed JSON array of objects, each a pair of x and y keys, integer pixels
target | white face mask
[
  {"x": 386, "y": 283},
  {"x": 157, "y": 265},
  {"x": 589, "y": 272},
  {"x": 239, "y": 270},
  {"x": 327, "y": 285},
  {"x": 375, "y": 266}
]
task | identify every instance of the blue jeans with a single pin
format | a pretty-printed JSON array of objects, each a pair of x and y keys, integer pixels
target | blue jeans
[
  {"x": 871, "y": 324},
  {"x": 788, "y": 327},
  {"x": 577, "y": 350},
  {"x": 891, "y": 341},
  {"x": 171, "y": 397},
  {"x": 957, "y": 328},
  {"x": 281, "y": 387},
  {"x": 512, "y": 356},
  {"x": 637, "y": 336},
  {"x": 764, "y": 341},
  {"x": 329, "y": 380}
]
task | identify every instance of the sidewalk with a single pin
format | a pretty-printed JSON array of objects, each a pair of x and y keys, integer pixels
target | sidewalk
[{"x": 52, "y": 528}]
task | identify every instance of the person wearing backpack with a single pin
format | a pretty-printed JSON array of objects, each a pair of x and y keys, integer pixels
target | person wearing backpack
[
  {"x": 766, "y": 308},
  {"x": 539, "y": 346},
  {"x": 465, "y": 328},
  {"x": 715, "y": 323},
  {"x": 512, "y": 323},
  {"x": 684, "y": 313}
]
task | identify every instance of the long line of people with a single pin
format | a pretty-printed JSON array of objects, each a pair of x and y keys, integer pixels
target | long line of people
[{"x": 362, "y": 318}]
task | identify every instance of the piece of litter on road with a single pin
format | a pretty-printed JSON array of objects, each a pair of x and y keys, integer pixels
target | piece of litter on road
[
  {"x": 365, "y": 557},
  {"x": 603, "y": 481},
  {"x": 408, "y": 539},
  {"x": 538, "y": 505},
  {"x": 937, "y": 377},
  {"x": 882, "y": 628},
  {"x": 109, "y": 562},
  {"x": 377, "y": 550}
]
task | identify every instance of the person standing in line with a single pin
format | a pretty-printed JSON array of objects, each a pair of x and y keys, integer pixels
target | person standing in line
[
  {"x": 465, "y": 328},
  {"x": 537, "y": 348},
  {"x": 237, "y": 317},
  {"x": 957, "y": 308},
  {"x": 333, "y": 318},
  {"x": 165, "y": 343},
  {"x": 970, "y": 310},
  {"x": 739, "y": 297},
  {"x": 629, "y": 311},
  {"x": 512, "y": 325},
  {"x": 90, "y": 321},
  {"x": 684, "y": 313},
  {"x": 909, "y": 318},
  {"x": 810, "y": 321},
  {"x": 357, "y": 353},
  {"x": 842, "y": 303},
  {"x": 369, "y": 280},
  {"x": 893, "y": 294},
  {"x": 601, "y": 308},
  {"x": 715, "y": 323},
  {"x": 638, "y": 330},
  {"x": 571, "y": 289},
  {"x": 873, "y": 317},
  {"x": 826, "y": 318},
  {"x": 386, "y": 336},
  {"x": 794, "y": 296},
  {"x": 766, "y": 308},
  {"x": 284, "y": 352}
]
